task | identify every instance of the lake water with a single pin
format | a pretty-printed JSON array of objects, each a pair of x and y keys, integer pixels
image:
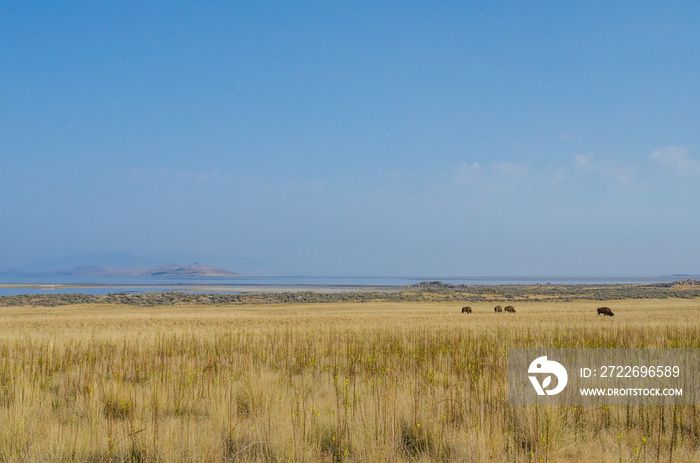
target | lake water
[{"x": 27, "y": 284}]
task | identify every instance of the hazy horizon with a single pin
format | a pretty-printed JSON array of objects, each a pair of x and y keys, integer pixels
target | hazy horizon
[
  {"x": 126, "y": 260},
  {"x": 353, "y": 139}
]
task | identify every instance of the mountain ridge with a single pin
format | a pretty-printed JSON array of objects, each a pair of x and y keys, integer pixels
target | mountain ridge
[{"x": 195, "y": 270}]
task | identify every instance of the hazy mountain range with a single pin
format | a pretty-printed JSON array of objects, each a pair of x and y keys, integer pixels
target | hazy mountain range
[
  {"x": 83, "y": 264},
  {"x": 182, "y": 271}
]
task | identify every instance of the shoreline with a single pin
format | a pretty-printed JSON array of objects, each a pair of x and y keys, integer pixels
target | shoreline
[
  {"x": 434, "y": 291},
  {"x": 202, "y": 288}
]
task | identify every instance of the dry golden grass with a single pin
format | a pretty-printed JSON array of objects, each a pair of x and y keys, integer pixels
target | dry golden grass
[{"x": 321, "y": 382}]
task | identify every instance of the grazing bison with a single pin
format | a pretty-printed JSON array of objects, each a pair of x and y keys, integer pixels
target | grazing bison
[
  {"x": 509, "y": 308},
  {"x": 466, "y": 309},
  {"x": 498, "y": 309},
  {"x": 605, "y": 311}
]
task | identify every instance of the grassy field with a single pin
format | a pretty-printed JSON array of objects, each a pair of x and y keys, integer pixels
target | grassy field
[{"x": 374, "y": 381}]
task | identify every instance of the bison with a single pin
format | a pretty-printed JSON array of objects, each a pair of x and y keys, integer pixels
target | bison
[
  {"x": 498, "y": 309},
  {"x": 509, "y": 308},
  {"x": 466, "y": 309},
  {"x": 605, "y": 311}
]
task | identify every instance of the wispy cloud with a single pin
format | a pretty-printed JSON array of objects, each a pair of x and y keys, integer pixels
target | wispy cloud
[
  {"x": 676, "y": 157},
  {"x": 496, "y": 174},
  {"x": 583, "y": 161},
  {"x": 609, "y": 169}
]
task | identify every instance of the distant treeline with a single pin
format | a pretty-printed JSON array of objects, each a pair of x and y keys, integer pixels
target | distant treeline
[{"x": 422, "y": 292}]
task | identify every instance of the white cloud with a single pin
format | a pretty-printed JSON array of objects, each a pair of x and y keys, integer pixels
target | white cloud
[
  {"x": 611, "y": 169},
  {"x": 676, "y": 157},
  {"x": 583, "y": 160},
  {"x": 499, "y": 177}
]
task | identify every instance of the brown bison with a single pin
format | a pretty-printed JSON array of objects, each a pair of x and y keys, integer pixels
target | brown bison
[
  {"x": 498, "y": 309},
  {"x": 509, "y": 308},
  {"x": 605, "y": 311},
  {"x": 466, "y": 309}
]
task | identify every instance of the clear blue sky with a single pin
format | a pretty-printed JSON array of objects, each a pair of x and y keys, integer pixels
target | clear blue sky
[{"x": 354, "y": 138}]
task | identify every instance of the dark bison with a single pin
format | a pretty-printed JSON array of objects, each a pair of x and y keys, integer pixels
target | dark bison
[
  {"x": 509, "y": 308},
  {"x": 498, "y": 308},
  {"x": 605, "y": 311},
  {"x": 466, "y": 310}
]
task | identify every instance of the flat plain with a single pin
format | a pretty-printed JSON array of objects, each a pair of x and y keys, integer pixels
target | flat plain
[{"x": 370, "y": 381}]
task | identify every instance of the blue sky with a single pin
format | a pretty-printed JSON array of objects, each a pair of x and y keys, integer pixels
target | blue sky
[{"x": 353, "y": 138}]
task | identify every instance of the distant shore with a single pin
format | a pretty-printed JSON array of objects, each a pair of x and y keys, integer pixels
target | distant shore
[
  {"x": 428, "y": 291},
  {"x": 202, "y": 288}
]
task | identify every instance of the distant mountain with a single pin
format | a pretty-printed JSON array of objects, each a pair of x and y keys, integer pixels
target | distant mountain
[
  {"x": 106, "y": 259},
  {"x": 245, "y": 265},
  {"x": 180, "y": 271}
]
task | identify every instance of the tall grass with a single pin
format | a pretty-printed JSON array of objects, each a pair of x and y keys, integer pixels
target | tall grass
[{"x": 314, "y": 392}]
